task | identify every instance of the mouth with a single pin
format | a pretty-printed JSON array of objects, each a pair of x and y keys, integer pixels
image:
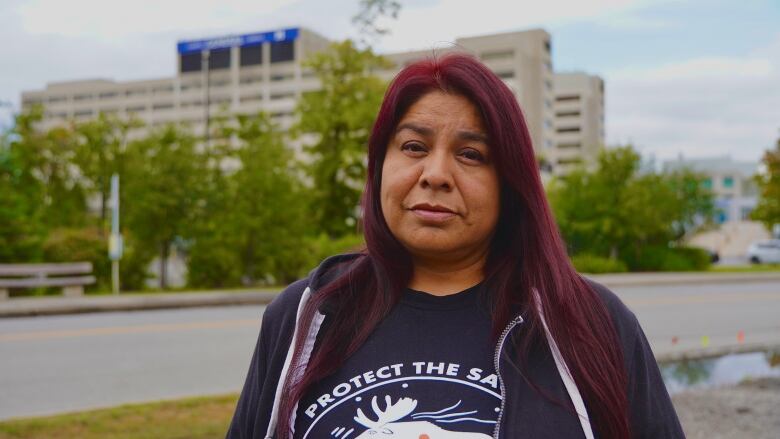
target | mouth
[{"x": 432, "y": 212}]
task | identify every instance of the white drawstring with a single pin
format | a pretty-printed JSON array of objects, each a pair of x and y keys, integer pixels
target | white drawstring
[{"x": 563, "y": 371}]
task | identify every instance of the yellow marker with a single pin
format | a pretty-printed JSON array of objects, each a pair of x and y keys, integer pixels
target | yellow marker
[{"x": 705, "y": 341}]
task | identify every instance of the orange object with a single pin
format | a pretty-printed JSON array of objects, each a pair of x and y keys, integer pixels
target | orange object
[
  {"x": 741, "y": 336},
  {"x": 675, "y": 340}
]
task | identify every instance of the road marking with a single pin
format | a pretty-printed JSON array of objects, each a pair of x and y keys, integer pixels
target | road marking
[
  {"x": 139, "y": 329},
  {"x": 703, "y": 298}
]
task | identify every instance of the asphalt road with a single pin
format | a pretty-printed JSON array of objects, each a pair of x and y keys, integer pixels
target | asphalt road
[{"x": 75, "y": 362}]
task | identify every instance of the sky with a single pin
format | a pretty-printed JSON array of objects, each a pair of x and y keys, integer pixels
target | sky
[{"x": 699, "y": 78}]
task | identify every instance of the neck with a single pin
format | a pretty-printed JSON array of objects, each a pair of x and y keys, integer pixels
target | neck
[{"x": 444, "y": 277}]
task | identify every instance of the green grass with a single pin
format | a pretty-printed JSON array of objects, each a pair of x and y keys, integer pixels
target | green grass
[
  {"x": 752, "y": 268},
  {"x": 196, "y": 418}
]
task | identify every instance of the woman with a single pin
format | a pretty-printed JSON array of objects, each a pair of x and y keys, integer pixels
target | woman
[{"x": 464, "y": 317}]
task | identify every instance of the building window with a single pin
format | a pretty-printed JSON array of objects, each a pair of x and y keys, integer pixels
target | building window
[
  {"x": 501, "y": 54},
  {"x": 251, "y": 55},
  {"x": 547, "y": 46},
  {"x": 136, "y": 109},
  {"x": 569, "y": 145},
  {"x": 281, "y": 77},
  {"x": 219, "y": 59},
  {"x": 250, "y": 79},
  {"x": 190, "y": 62},
  {"x": 506, "y": 75},
  {"x": 548, "y": 84},
  {"x": 82, "y": 97},
  {"x": 282, "y": 51},
  {"x": 83, "y": 113},
  {"x": 54, "y": 99},
  {"x": 706, "y": 183},
  {"x": 548, "y": 124},
  {"x": 567, "y": 98},
  {"x": 568, "y": 130},
  {"x": 108, "y": 95},
  {"x": 251, "y": 98},
  {"x": 192, "y": 86},
  {"x": 162, "y": 106},
  {"x": 728, "y": 182},
  {"x": 163, "y": 89},
  {"x": 567, "y": 114},
  {"x": 278, "y": 96},
  {"x": 570, "y": 161},
  {"x": 135, "y": 92}
]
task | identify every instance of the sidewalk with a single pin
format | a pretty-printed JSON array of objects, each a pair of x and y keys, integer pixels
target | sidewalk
[{"x": 51, "y": 305}]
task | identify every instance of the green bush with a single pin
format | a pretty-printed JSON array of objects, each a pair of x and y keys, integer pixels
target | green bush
[
  {"x": 657, "y": 258},
  {"x": 211, "y": 265},
  {"x": 322, "y": 246},
  {"x": 81, "y": 245},
  {"x": 588, "y": 263}
]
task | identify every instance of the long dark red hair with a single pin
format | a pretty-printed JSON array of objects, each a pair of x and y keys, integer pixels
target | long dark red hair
[{"x": 527, "y": 253}]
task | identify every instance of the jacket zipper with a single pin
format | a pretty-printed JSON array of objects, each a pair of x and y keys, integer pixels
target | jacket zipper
[{"x": 499, "y": 347}]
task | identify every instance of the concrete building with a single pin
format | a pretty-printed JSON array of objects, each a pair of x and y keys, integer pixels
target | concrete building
[
  {"x": 578, "y": 120},
  {"x": 263, "y": 71},
  {"x": 731, "y": 181}
]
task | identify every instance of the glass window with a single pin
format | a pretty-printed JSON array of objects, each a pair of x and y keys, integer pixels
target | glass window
[
  {"x": 707, "y": 183},
  {"x": 728, "y": 182},
  {"x": 283, "y": 51},
  {"x": 251, "y": 55},
  {"x": 190, "y": 62},
  {"x": 219, "y": 59}
]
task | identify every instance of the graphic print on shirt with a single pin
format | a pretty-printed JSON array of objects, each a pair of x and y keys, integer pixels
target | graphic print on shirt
[{"x": 421, "y": 399}]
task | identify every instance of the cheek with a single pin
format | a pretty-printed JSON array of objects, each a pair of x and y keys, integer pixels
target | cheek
[{"x": 485, "y": 201}]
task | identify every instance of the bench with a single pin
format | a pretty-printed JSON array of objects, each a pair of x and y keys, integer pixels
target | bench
[{"x": 71, "y": 276}]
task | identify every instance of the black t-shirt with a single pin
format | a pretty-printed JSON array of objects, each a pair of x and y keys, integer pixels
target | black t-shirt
[{"x": 425, "y": 372}]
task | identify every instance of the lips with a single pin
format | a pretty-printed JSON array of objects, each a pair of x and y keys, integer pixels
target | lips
[{"x": 432, "y": 212}]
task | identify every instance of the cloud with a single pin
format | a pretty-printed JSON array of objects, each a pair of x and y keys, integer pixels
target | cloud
[
  {"x": 699, "y": 107},
  {"x": 436, "y": 24},
  {"x": 119, "y": 20}
]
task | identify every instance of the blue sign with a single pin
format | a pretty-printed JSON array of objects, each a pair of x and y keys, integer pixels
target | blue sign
[{"x": 276, "y": 36}]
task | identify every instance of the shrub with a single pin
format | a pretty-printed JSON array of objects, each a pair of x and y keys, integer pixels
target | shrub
[
  {"x": 657, "y": 258},
  {"x": 588, "y": 263},
  {"x": 81, "y": 245}
]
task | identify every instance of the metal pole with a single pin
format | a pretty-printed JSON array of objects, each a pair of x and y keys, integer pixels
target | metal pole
[{"x": 115, "y": 241}]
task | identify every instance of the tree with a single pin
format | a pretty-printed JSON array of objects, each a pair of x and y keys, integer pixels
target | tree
[
  {"x": 21, "y": 228},
  {"x": 615, "y": 211},
  {"x": 162, "y": 189},
  {"x": 100, "y": 152},
  {"x": 254, "y": 224},
  {"x": 339, "y": 117},
  {"x": 370, "y": 12},
  {"x": 46, "y": 160},
  {"x": 768, "y": 209}
]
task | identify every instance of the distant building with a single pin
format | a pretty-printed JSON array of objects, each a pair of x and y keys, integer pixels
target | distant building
[
  {"x": 264, "y": 71},
  {"x": 731, "y": 181},
  {"x": 578, "y": 134}
]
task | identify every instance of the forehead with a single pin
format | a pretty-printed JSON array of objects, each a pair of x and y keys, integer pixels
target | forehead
[{"x": 440, "y": 109}]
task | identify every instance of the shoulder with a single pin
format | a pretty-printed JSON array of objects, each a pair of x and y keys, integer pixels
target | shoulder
[
  {"x": 285, "y": 305},
  {"x": 624, "y": 320}
]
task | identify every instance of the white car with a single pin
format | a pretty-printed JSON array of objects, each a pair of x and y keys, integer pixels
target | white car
[{"x": 764, "y": 252}]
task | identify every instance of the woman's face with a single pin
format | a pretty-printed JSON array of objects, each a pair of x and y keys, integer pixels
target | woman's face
[{"x": 440, "y": 188}]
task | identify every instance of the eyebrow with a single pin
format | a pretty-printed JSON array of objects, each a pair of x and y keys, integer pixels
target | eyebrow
[{"x": 425, "y": 131}]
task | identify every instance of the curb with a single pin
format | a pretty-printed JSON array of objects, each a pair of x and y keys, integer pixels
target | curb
[
  {"x": 30, "y": 307},
  {"x": 714, "y": 352},
  {"x": 649, "y": 279}
]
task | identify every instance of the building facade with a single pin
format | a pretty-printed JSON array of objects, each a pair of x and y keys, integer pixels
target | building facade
[
  {"x": 731, "y": 181},
  {"x": 579, "y": 132},
  {"x": 263, "y": 71}
]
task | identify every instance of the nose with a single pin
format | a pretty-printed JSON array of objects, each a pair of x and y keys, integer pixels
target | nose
[{"x": 437, "y": 172}]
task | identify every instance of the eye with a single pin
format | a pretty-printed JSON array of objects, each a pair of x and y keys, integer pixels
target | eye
[
  {"x": 414, "y": 148},
  {"x": 472, "y": 155}
]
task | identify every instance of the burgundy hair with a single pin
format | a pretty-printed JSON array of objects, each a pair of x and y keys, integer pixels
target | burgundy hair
[{"x": 527, "y": 253}]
